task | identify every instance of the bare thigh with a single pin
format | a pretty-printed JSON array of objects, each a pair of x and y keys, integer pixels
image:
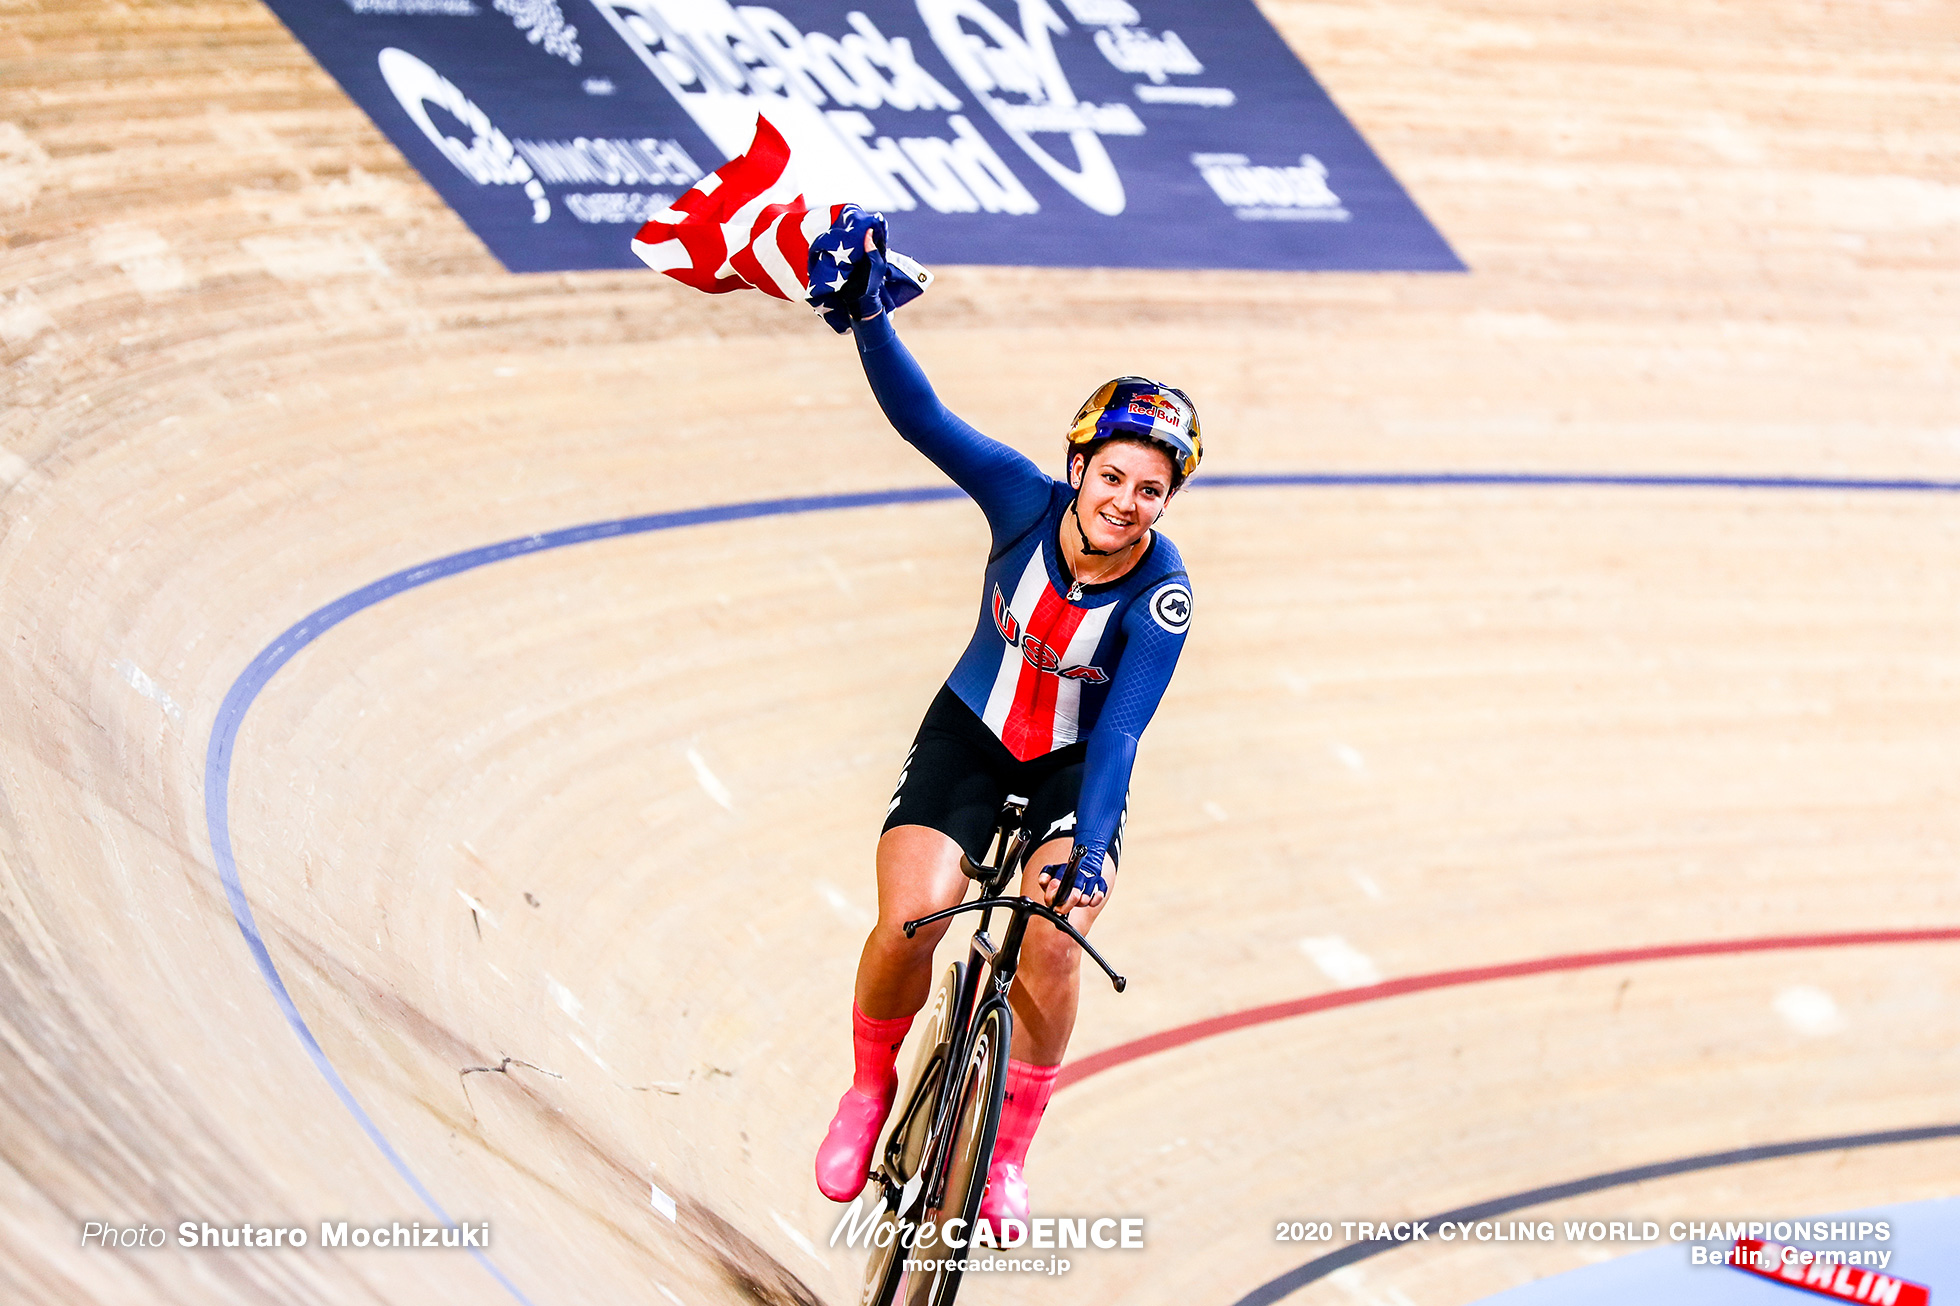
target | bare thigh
[{"x": 918, "y": 874}]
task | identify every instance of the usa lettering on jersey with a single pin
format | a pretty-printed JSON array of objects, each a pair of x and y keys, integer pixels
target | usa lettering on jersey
[
  {"x": 1035, "y": 702},
  {"x": 1037, "y": 654}
]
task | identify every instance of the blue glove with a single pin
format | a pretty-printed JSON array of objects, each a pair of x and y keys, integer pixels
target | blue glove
[
  {"x": 849, "y": 280},
  {"x": 1089, "y": 879}
]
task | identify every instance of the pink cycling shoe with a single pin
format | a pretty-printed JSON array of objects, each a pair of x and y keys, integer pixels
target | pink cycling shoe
[
  {"x": 1006, "y": 1197},
  {"x": 844, "y": 1159},
  {"x": 1028, "y": 1090}
]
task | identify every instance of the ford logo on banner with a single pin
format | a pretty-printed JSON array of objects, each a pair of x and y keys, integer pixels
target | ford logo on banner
[{"x": 1058, "y": 133}]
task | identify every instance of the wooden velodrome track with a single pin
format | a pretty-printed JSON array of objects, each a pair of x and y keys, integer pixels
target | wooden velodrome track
[{"x": 608, "y": 809}]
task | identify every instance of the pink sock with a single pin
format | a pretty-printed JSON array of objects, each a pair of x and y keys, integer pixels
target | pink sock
[
  {"x": 1028, "y": 1088},
  {"x": 875, "y": 1045}
]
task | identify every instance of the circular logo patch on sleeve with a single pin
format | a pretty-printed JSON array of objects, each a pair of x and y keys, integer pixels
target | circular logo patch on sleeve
[{"x": 1170, "y": 607}]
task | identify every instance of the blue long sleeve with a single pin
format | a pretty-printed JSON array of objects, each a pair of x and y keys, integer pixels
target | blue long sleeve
[
  {"x": 1149, "y": 657},
  {"x": 1140, "y": 654},
  {"x": 1009, "y": 488}
]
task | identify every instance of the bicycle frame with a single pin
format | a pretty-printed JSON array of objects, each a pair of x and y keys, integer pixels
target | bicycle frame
[{"x": 1000, "y": 963}]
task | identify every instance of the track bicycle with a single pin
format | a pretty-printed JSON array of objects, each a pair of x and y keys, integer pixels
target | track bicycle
[{"x": 933, "y": 1169}]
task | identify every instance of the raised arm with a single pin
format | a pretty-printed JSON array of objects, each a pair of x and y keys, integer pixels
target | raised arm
[{"x": 1010, "y": 489}]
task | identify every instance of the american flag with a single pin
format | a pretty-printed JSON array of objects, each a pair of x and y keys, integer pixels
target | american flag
[{"x": 748, "y": 225}]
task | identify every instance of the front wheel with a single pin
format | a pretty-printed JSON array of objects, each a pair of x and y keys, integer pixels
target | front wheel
[{"x": 973, "y": 1121}]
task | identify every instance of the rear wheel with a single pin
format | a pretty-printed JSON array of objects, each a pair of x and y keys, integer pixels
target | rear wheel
[
  {"x": 905, "y": 1148},
  {"x": 973, "y": 1119}
]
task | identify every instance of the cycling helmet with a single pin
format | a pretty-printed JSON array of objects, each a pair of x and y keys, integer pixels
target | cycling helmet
[{"x": 1141, "y": 409}]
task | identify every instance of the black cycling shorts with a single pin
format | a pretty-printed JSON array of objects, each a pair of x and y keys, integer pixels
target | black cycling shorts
[{"x": 958, "y": 774}]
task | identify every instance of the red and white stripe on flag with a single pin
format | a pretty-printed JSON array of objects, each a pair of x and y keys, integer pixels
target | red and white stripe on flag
[
  {"x": 747, "y": 225},
  {"x": 1840, "y": 1282}
]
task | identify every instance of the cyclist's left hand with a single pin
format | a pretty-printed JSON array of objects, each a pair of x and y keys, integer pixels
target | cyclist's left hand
[{"x": 1091, "y": 888}]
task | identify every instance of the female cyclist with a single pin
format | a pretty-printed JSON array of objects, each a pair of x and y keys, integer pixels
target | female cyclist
[{"x": 1083, "y": 612}]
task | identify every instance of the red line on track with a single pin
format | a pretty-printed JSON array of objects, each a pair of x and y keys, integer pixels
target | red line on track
[{"x": 1076, "y": 1071}]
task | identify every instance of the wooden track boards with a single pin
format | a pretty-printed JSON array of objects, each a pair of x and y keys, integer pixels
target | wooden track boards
[{"x": 253, "y": 364}]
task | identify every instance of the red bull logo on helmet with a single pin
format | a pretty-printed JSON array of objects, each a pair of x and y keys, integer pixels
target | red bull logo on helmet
[{"x": 1159, "y": 408}]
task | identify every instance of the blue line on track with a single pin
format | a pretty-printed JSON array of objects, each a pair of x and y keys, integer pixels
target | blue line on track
[
  {"x": 1322, "y": 1266},
  {"x": 246, "y": 689}
]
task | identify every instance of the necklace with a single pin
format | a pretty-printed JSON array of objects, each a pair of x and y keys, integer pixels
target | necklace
[{"x": 1075, "y": 590}]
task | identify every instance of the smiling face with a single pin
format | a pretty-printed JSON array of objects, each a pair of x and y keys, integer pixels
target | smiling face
[{"x": 1123, "y": 491}]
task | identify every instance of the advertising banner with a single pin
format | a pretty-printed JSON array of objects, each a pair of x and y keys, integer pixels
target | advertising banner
[{"x": 1056, "y": 133}]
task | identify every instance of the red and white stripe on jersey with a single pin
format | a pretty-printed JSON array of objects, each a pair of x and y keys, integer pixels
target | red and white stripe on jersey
[
  {"x": 745, "y": 225},
  {"x": 1035, "y": 703}
]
